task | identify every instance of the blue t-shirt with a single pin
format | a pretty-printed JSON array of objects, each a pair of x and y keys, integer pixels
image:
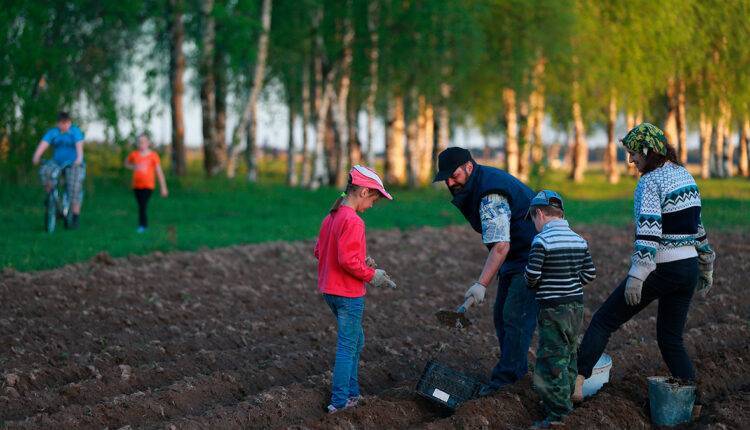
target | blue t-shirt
[{"x": 63, "y": 144}]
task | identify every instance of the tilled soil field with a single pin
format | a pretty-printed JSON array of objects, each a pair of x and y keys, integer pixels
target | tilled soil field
[{"x": 239, "y": 338}]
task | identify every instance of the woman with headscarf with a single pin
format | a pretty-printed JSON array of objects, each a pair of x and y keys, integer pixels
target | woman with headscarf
[{"x": 671, "y": 258}]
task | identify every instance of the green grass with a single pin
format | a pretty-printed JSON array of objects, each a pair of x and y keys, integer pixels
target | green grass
[{"x": 219, "y": 212}]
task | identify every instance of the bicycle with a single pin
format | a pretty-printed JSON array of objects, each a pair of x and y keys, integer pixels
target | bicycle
[{"x": 57, "y": 203}]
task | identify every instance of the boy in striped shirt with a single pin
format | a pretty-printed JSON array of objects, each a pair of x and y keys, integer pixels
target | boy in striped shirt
[{"x": 558, "y": 268}]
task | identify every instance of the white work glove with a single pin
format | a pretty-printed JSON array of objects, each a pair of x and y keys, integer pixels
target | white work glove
[
  {"x": 705, "y": 282},
  {"x": 381, "y": 279},
  {"x": 633, "y": 288},
  {"x": 477, "y": 291}
]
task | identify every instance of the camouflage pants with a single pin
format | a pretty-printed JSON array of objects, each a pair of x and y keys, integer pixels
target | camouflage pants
[{"x": 556, "y": 368}]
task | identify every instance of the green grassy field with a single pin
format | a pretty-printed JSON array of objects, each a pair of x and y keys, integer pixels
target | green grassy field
[{"x": 219, "y": 212}]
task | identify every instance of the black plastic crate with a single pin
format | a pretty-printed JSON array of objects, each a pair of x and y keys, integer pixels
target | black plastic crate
[{"x": 446, "y": 386}]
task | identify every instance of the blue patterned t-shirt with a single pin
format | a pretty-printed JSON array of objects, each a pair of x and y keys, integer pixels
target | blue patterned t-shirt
[
  {"x": 63, "y": 144},
  {"x": 494, "y": 212}
]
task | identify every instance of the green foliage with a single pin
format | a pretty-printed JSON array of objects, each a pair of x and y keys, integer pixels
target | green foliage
[
  {"x": 73, "y": 54},
  {"x": 53, "y": 53}
]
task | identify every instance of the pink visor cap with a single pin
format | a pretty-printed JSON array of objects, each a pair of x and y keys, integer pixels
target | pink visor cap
[{"x": 366, "y": 177}]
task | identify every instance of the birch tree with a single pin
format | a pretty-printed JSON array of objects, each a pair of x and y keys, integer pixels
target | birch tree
[
  {"x": 208, "y": 87},
  {"x": 373, "y": 22},
  {"x": 340, "y": 111},
  {"x": 176, "y": 29},
  {"x": 247, "y": 123}
]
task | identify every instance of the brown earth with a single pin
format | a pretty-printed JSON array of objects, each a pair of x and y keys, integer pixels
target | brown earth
[{"x": 239, "y": 338}]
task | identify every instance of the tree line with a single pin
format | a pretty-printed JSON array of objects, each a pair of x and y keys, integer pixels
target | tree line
[{"x": 507, "y": 67}]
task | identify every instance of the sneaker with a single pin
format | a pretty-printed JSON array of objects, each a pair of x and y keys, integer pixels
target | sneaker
[
  {"x": 545, "y": 424},
  {"x": 140, "y": 229},
  {"x": 333, "y": 409}
]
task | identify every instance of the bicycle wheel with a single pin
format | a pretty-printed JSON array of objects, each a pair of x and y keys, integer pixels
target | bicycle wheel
[{"x": 50, "y": 214}]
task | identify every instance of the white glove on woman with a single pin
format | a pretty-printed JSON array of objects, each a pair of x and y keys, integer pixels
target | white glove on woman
[
  {"x": 381, "y": 279},
  {"x": 705, "y": 282},
  {"x": 633, "y": 288},
  {"x": 477, "y": 291}
]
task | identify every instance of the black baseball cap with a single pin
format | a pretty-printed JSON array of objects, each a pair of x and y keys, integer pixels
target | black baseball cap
[{"x": 449, "y": 160}]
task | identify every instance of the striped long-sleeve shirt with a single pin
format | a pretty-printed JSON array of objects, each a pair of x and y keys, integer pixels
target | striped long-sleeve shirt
[{"x": 559, "y": 265}]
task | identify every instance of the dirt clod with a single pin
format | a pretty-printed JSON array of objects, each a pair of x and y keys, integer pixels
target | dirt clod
[
  {"x": 125, "y": 371},
  {"x": 11, "y": 379}
]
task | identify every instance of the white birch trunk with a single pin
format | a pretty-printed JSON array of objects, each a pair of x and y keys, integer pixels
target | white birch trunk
[
  {"x": 612, "y": 169},
  {"x": 718, "y": 138},
  {"x": 527, "y": 124},
  {"x": 412, "y": 140},
  {"x": 320, "y": 173},
  {"x": 744, "y": 136},
  {"x": 425, "y": 167},
  {"x": 706, "y": 132},
  {"x": 291, "y": 175},
  {"x": 537, "y": 112},
  {"x": 207, "y": 91},
  {"x": 339, "y": 107},
  {"x": 373, "y": 16},
  {"x": 395, "y": 150},
  {"x": 581, "y": 151},
  {"x": 511, "y": 127},
  {"x": 306, "y": 168},
  {"x": 670, "y": 124},
  {"x": 248, "y": 119},
  {"x": 421, "y": 150},
  {"x": 682, "y": 149},
  {"x": 729, "y": 146},
  {"x": 355, "y": 148},
  {"x": 444, "y": 130},
  {"x": 177, "y": 86}
]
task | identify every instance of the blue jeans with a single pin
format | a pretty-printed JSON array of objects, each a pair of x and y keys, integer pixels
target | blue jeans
[
  {"x": 673, "y": 285},
  {"x": 351, "y": 339},
  {"x": 515, "y": 315}
]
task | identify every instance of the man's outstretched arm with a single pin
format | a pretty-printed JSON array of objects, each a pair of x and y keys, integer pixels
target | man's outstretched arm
[
  {"x": 495, "y": 259},
  {"x": 494, "y": 213}
]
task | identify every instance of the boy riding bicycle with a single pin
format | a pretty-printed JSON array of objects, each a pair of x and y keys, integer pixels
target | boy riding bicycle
[{"x": 67, "y": 142}]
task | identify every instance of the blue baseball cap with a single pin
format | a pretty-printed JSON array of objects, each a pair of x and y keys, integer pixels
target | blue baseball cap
[{"x": 545, "y": 198}]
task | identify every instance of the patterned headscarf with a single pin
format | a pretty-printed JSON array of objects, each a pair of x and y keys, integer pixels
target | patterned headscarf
[{"x": 646, "y": 137}]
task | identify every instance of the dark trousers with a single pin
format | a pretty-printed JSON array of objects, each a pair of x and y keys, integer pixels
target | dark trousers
[
  {"x": 673, "y": 285},
  {"x": 515, "y": 316},
  {"x": 141, "y": 196}
]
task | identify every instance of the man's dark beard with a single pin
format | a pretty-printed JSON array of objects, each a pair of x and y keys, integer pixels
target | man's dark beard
[{"x": 455, "y": 189}]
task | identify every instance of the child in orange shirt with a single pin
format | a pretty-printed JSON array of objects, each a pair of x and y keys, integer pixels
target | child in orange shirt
[{"x": 145, "y": 163}]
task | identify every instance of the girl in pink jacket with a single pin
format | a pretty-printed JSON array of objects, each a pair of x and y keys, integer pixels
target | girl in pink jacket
[{"x": 343, "y": 270}]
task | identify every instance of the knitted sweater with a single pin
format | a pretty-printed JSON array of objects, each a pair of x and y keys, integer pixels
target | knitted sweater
[{"x": 668, "y": 225}]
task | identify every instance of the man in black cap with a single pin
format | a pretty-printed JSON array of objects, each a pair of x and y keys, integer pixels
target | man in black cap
[{"x": 495, "y": 203}]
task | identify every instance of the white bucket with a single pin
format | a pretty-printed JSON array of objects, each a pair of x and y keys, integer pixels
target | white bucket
[{"x": 599, "y": 376}]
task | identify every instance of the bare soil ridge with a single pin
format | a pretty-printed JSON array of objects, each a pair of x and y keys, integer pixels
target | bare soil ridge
[{"x": 239, "y": 338}]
